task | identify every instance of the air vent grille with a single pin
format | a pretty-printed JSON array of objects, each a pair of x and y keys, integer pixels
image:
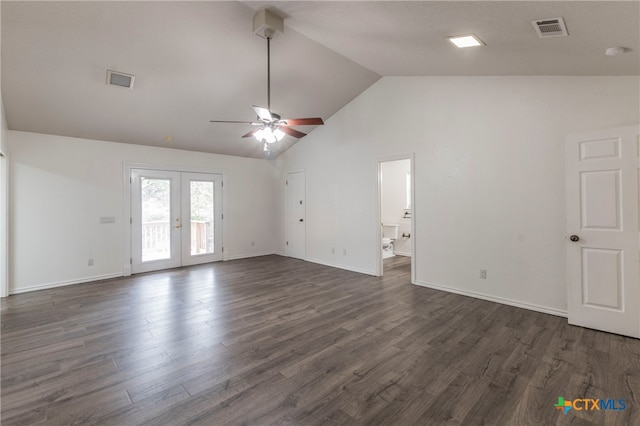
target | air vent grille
[
  {"x": 552, "y": 27},
  {"x": 116, "y": 78}
]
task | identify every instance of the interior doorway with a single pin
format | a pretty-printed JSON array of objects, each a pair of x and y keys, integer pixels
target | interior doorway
[
  {"x": 176, "y": 219},
  {"x": 395, "y": 229}
]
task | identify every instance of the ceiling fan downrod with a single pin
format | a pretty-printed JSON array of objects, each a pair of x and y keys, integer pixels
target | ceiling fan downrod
[{"x": 269, "y": 73}]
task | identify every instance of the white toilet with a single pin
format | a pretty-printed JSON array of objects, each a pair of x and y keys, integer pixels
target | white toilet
[{"x": 389, "y": 234}]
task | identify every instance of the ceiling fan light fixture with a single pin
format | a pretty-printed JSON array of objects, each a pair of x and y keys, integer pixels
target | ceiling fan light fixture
[
  {"x": 279, "y": 134},
  {"x": 269, "y": 135}
]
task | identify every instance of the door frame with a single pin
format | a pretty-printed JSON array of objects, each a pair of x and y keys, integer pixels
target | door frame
[
  {"x": 378, "y": 215},
  {"x": 126, "y": 205},
  {"x": 286, "y": 212},
  {"x": 4, "y": 225}
]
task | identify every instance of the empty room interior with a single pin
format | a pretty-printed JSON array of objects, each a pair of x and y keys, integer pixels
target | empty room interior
[{"x": 320, "y": 212}]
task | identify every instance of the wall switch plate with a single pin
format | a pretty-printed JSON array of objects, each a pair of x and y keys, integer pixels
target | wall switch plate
[
  {"x": 333, "y": 250},
  {"x": 483, "y": 274},
  {"x": 344, "y": 252},
  {"x": 90, "y": 262}
]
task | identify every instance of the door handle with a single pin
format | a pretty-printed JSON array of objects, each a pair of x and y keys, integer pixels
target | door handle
[
  {"x": 301, "y": 220},
  {"x": 574, "y": 238}
]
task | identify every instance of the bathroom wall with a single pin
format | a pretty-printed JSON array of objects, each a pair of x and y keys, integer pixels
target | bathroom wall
[{"x": 393, "y": 201}]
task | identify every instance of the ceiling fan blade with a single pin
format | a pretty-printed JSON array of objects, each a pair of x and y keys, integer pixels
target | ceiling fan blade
[
  {"x": 263, "y": 113},
  {"x": 301, "y": 121},
  {"x": 251, "y": 133},
  {"x": 253, "y": 123},
  {"x": 292, "y": 132}
]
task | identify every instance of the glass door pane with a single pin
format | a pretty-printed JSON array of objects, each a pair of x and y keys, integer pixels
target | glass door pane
[
  {"x": 156, "y": 218},
  {"x": 202, "y": 207}
]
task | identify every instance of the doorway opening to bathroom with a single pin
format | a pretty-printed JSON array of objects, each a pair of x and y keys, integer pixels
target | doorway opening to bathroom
[{"x": 395, "y": 229}]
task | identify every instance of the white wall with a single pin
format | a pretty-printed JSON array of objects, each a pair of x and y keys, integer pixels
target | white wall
[
  {"x": 60, "y": 187},
  {"x": 489, "y": 176},
  {"x": 393, "y": 201}
]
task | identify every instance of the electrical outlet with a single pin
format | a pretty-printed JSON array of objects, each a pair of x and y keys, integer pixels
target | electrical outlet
[
  {"x": 253, "y": 243},
  {"x": 344, "y": 252},
  {"x": 483, "y": 274},
  {"x": 90, "y": 262},
  {"x": 333, "y": 250}
]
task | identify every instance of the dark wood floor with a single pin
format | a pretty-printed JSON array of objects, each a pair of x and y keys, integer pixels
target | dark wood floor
[{"x": 274, "y": 340}]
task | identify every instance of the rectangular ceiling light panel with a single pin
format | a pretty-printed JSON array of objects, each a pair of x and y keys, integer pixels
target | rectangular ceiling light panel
[
  {"x": 116, "y": 78},
  {"x": 469, "y": 40}
]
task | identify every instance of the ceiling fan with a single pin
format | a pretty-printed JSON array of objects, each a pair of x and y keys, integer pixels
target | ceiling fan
[{"x": 271, "y": 127}]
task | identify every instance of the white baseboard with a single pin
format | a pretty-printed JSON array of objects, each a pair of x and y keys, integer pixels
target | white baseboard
[
  {"x": 65, "y": 283},
  {"x": 517, "y": 304},
  {"x": 345, "y": 267},
  {"x": 247, "y": 255},
  {"x": 401, "y": 253}
]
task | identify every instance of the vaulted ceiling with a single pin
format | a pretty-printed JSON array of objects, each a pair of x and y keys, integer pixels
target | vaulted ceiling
[{"x": 197, "y": 61}]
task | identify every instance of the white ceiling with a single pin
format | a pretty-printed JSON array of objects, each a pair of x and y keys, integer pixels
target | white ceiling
[
  {"x": 196, "y": 61},
  {"x": 404, "y": 38}
]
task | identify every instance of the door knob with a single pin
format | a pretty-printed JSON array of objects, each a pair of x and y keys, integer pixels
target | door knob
[
  {"x": 301, "y": 220},
  {"x": 574, "y": 238}
]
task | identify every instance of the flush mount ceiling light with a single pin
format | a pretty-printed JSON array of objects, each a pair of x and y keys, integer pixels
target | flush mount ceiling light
[{"x": 469, "y": 40}]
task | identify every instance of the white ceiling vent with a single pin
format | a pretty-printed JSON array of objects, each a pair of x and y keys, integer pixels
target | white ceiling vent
[
  {"x": 116, "y": 78},
  {"x": 552, "y": 27}
]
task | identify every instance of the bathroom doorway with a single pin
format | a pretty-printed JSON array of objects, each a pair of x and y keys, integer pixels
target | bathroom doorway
[{"x": 396, "y": 212}]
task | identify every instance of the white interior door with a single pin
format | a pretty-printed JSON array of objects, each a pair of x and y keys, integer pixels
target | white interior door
[
  {"x": 176, "y": 219},
  {"x": 603, "y": 241},
  {"x": 296, "y": 226}
]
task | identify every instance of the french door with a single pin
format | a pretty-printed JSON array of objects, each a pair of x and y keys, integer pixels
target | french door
[{"x": 176, "y": 219}]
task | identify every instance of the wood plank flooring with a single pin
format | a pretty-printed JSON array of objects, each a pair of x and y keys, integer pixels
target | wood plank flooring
[{"x": 273, "y": 340}]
